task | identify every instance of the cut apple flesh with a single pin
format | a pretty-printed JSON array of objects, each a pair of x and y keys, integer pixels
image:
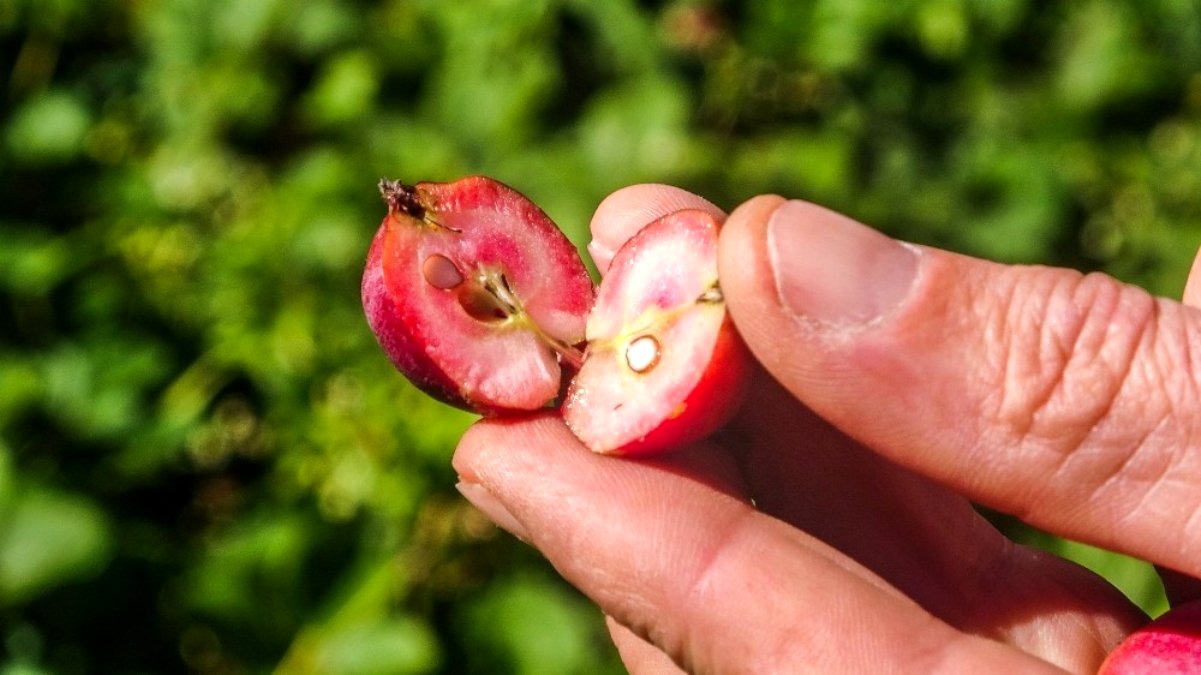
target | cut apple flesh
[
  {"x": 664, "y": 365},
  {"x": 475, "y": 294}
]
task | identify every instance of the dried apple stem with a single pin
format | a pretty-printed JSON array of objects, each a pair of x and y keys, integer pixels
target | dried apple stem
[{"x": 406, "y": 199}]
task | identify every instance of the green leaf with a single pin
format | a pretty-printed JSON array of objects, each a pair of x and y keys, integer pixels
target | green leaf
[
  {"x": 345, "y": 89},
  {"x": 49, "y": 128},
  {"x": 529, "y": 626},
  {"x": 399, "y": 646},
  {"x": 48, "y": 538}
]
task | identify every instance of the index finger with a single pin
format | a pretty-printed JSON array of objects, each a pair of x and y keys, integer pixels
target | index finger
[{"x": 629, "y": 209}]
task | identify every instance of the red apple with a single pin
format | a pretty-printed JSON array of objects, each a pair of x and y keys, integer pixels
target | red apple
[
  {"x": 481, "y": 301},
  {"x": 475, "y": 295},
  {"x": 664, "y": 365},
  {"x": 1170, "y": 645}
]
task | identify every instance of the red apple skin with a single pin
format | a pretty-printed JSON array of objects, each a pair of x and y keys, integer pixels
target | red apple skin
[
  {"x": 488, "y": 367},
  {"x": 398, "y": 342},
  {"x": 1170, "y": 645}
]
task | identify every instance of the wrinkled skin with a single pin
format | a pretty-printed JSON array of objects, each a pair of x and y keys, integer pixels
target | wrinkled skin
[{"x": 898, "y": 384}]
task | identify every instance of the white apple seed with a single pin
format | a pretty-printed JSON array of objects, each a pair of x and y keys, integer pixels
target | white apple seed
[{"x": 642, "y": 353}]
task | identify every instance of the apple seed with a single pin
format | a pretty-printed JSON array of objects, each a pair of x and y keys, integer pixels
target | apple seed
[{"x": 642, "y": 353}]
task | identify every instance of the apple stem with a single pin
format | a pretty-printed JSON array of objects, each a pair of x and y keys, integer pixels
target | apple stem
[
  {"x": 401, "y": 197},
  {"x": 406, "y": 199}
]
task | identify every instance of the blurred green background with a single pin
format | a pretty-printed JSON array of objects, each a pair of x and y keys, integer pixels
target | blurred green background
[{"x": 207, "y": 464}]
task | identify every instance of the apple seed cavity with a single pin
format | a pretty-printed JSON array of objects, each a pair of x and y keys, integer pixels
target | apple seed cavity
[{"x": 441, "y": 272}]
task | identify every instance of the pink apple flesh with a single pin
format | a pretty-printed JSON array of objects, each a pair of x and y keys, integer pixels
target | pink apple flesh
[
  {"x": 475, "y": 295},
  {"x": 664, "y": 365}
]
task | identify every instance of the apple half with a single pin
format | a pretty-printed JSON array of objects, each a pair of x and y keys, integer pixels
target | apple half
[
  {"x": 475, "y": 295},
  {"x": 664, "y": 365}
]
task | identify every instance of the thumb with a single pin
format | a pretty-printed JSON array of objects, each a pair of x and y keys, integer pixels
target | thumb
[{"x": 1070, "y": 401}]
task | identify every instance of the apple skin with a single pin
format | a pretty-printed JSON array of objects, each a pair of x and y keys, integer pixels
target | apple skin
[
  {"x": 397, "y": 340},
  {"x": 489, "y": 365},
  {"x": 1170, "y": 645}
]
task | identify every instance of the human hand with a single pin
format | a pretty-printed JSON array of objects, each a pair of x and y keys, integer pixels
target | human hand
[{"x": 785, "y": 544}]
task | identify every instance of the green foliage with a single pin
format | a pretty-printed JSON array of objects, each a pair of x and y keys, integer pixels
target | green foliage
[{"x": 205, "y": 460}]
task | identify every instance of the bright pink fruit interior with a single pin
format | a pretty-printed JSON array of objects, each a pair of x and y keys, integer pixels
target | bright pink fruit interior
[
  {"x": 484, "y": 359},
  {"x": 662, "y": 286}
]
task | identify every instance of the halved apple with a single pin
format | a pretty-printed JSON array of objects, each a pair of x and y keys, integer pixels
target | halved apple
[
  {"x": 664, "y": 365},
  {"x": 475, "y": 295}
]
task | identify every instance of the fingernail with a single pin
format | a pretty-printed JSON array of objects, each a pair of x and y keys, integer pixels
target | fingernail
[
  {"x": 487, "y": 502},
  {"x": 833, "y": 270}
]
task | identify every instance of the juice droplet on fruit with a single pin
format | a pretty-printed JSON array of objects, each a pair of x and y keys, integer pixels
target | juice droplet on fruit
[
  {"x": 441, "y": 272},
  {"x": 642, "y": 353}
]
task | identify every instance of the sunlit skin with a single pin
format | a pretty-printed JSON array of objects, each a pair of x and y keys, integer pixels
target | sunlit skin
[{"x": 830, "y": 526}]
